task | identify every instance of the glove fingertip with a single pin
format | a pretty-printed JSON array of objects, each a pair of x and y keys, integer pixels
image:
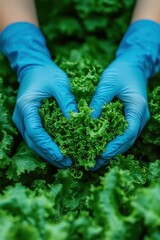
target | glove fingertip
[
  {"x": 96, "y": 110},
  {"x": 71, "y": 107},
  {"x": 100, "y": 162},
  {"x": 97, "y": 106},
  {"x": 68, "y": 161}
]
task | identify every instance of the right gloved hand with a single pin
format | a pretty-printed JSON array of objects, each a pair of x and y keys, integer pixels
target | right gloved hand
[
  {"x": 39, "y": 78},
  {"x": 137, "y": 59}
]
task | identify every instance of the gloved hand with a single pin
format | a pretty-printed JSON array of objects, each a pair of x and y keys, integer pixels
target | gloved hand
[
  {"x": 39, "y": 78},
  {"x": 137, "y": 59}
]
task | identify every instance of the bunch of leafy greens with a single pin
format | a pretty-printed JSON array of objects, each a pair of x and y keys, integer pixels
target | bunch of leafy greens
[
  {"x": 81, "y": 137},
  {"x": 118, "y": 205},
  {"x": 152, "y": 133},
  {"x": 40, "y": 202}
]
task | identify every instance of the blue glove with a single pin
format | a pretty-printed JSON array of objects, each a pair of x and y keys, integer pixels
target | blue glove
[
  {"x": 137, "y": 59},
  {"x": 39, "y": 78}
]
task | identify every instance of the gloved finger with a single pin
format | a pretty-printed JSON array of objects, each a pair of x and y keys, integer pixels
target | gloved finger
[
  {"x": 45, "y": 155},
  {"x": 113, "y": 148},
  {"x": 99, "y": 163},
  {"x": 136, "y": 122},
  {"x": 145, "y": 120},
  {"x": 16, "y": 118},
  {"x": 136, "y": 109},
  {"x": 46, "y": 148},
  {"x": 67, "y": 103},
  {"x": 137, "y": 115},
  {"x": 105, "y": 92},
  {"x": 122, "y": 143},
  {"x": 41, "y": 139},
  {"x": 28, "y": 114},
  {"x": 61, "y": 91}
]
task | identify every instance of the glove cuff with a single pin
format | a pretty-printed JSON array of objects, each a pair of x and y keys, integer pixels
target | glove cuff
[
  {"x": 141, "y": 43},
  {"x": 24, "y": 45}
]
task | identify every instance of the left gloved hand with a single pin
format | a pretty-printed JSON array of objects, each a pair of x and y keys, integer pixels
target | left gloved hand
[
  {"x": 39, "y": 77},
  {"x": 137, "y": 59}
]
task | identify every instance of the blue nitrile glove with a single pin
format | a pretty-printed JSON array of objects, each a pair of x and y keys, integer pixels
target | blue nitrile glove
[
  {"x": 137, "y": 59},
  {"x": 39, "y": 78}
]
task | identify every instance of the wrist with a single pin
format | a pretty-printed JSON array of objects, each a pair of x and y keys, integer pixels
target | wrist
[
  {"x": 141, "y": 46},
  {"x": 25, "y": 46}
]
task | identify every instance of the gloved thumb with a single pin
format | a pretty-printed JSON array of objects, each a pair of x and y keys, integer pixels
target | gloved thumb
[
  {"x": 105, "y": 92},
  {"x": 62, "y": 92},
  {"x": 66, "y": 102}
]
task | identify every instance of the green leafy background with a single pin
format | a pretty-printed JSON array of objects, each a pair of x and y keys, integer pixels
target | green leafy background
[{"x": 40, "y": 202}]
